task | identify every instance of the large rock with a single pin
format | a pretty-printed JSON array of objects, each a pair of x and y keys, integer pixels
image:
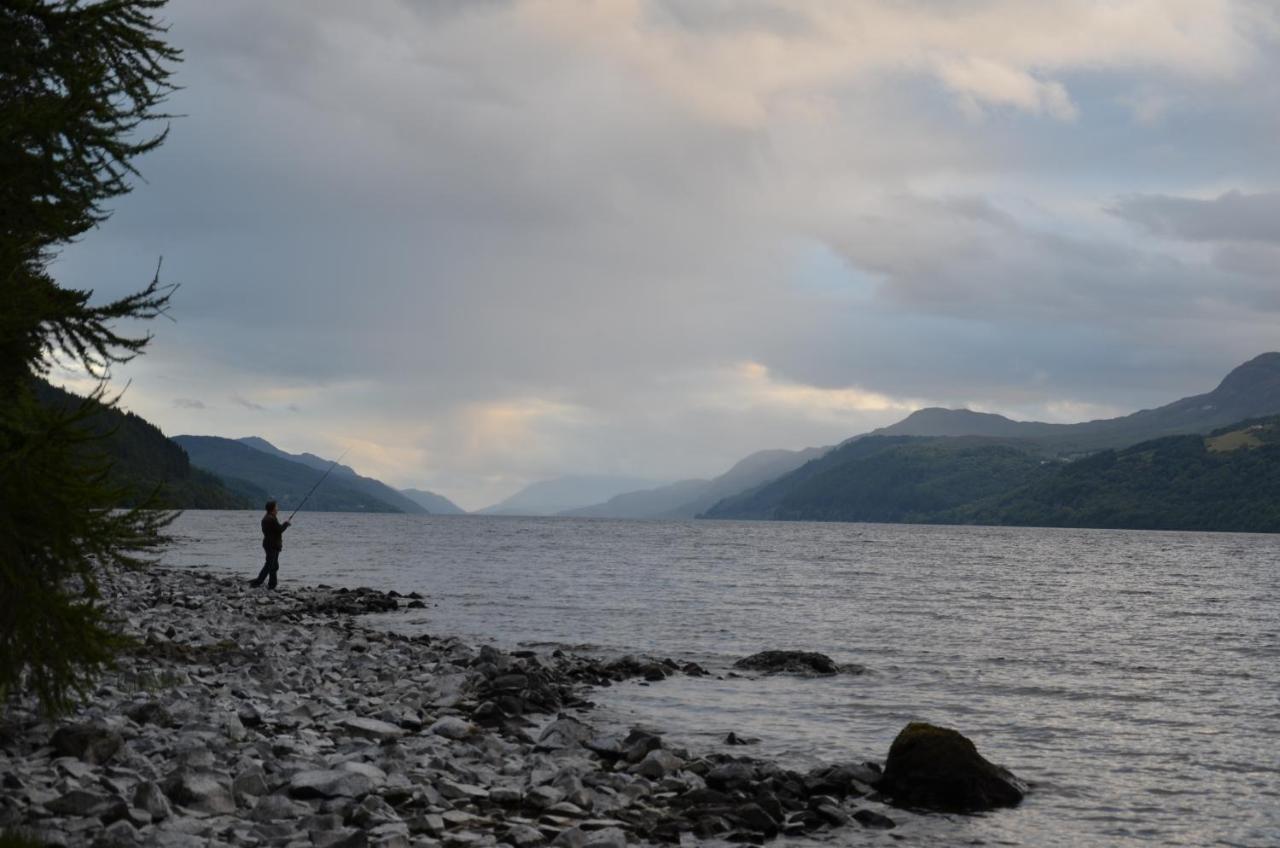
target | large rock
[
  {"x": 92, "y": 743},
  {"x": 150, "y": 712},
  {"x": 936, "y": 768},
  {"x": 371, "y": 728},
  {"x": 204, "y": 791},
  {"x": 330, "y": 783},
  {"x": 789, "y": 662}
]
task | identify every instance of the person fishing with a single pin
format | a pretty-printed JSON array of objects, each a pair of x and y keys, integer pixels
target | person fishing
[
  {"x": 273, "y": 544},
  {"x": 273, "y": 532}
]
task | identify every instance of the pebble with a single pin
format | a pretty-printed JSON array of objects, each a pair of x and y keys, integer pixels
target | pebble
[{"x": 248, "y": 718}]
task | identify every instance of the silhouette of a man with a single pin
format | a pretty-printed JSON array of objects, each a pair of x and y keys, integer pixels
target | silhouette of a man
[{"x": 273, "y": 544}]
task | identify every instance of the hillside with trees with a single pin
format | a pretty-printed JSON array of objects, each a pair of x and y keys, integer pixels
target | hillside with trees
[
  {"x": 146, "y": 467},
  {"x": 258, "y": 475},
  {"x": 1228, "y": 480}
]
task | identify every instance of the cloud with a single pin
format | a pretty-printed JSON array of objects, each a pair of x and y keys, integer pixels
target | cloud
[
  {"x": 1231, "y": 216},
  {"x": 981, "y": 80},
  {"x": 188, "y": 403},
  {"x": 489, "y": 242}
]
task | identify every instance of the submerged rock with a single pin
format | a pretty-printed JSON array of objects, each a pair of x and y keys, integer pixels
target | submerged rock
[
  {"x": 937, "y": 768},
  {"x": 791, "y": 662}
]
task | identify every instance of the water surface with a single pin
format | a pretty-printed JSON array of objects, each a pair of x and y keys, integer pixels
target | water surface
[{"x": 1132, "y": 677}]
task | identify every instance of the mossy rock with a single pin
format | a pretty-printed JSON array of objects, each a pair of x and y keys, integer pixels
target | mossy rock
[{"x": 936, "y": 768}]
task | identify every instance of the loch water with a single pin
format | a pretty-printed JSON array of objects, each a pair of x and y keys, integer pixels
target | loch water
[{"x": 1132, "y": 677}]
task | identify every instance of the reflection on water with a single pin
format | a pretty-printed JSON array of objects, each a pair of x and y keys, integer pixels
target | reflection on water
[{"x": 1131, "y": 676}]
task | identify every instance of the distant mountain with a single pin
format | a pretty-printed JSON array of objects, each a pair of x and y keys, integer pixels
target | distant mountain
[
  {"x": 144, "y": 461},
  {"x": 259, "y": 475},
  {"x": 1251, "y": 390},
  {"x": 1227, "y": 481},
  {"x": 647, "y": 503},
  {"x": 888, "y": 478},
  {"x": 550, "y": 497},
  {"x": 935, "y": 421},
  {"x": 371, "y": 487},
  {"x": 433, "y": 503},
  {"x": 689, "y": 498},
  {"x": 956, "y": 465}
]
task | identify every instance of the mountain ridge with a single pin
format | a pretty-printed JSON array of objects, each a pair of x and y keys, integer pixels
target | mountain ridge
[
  {"x": 373, "y": 487},
  {"x": 259, "y": 475},
  {"x": 841, "y": 485}
]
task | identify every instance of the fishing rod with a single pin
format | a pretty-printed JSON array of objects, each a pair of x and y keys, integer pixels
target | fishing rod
[{"x": 332, "y": 466}]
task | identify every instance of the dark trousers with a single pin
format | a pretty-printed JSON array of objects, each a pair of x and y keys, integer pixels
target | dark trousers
[{"x": 269, "y": 569}]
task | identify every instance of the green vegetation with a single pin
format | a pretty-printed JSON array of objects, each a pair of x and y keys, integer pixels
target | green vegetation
[
  {"x": 1229, "y": 480},
  {"x": 18, "y": 839},
  {"x": 1174, "y": 483},
  {"x": 147, "y": 468},
  {"x": 78, "y": 84},
  {"x": 888, "y": 478},
  {"x": 257, "y": 476}
]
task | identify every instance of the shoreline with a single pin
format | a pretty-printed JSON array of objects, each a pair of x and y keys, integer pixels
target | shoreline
[{"x": 243, "y": 717}]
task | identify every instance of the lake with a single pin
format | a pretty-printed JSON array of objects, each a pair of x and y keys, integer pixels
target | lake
[{"x": 1131, "y": 677}]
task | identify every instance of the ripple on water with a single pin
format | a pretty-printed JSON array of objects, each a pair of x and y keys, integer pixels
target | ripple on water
[{"x": 1130, "y": 676}]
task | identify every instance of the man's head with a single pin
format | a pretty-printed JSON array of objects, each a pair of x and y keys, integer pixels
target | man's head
[{"x": 271, "y": 507}]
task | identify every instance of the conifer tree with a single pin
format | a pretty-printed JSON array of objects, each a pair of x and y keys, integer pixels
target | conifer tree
[{"x": 80, "y": 84}]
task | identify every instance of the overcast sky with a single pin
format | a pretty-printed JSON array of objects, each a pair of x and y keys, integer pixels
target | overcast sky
[{"x": 482, "y": 243}]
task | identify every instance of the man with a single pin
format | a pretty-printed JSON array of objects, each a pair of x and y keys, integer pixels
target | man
[{"x": 273, "y": 544}]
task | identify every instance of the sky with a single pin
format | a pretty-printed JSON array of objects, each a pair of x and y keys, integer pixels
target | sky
[{"x": 481, "y": 243}]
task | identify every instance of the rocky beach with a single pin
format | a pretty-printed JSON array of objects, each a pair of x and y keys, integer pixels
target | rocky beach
[{"x": 245, "y": 717}]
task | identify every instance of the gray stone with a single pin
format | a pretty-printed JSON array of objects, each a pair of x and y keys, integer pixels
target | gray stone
[
  {"x": 79, "y": 802},
  {"x": 251, "y": 781},
  {"x": 373, "y": 811},
  {"x": 505, "y": 796},
  {"x": 731, "y": 775},
  {"x": 149, "y": 798},
  {"x": 376, "y": 775},
  {"x": 203, "y": 791},
  {"x": 609, "y": 837},
  {"x": 276, "y": 808},
  {"x": 467, "y": 791},
  {"x": 394, "y": 835},
  {"x": 329, "y": 783},
  {"x": 430, "y": 823},
  {"x": 452, "y": 727},
  {"x": 541, "y": 797},
  {"x": 940, "y": 769},
  {"x": 754, "y": 817},
  {"x": 150, "y": 712},
  {"x": 371, "y": 728},
  {"x": 339, "y": 837},
  {"x": 524, "y": 836},
  {"x": 870, "y": 818},
  {"x": 657, "y": 764},
  {"x": 572, "y": 837},
  {"x": 510, "y": 682},
  {"x": 121, "y": 834},
  {"x": 564, "y": 732},
  {"x": 93, "y": 743},
  {"x": 791, "y": 662}
]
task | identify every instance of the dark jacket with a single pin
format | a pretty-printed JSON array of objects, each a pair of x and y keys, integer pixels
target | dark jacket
[{"x": 273, "y": 533}]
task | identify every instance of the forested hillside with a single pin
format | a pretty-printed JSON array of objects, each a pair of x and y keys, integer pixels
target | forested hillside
[
  {"x": 1229, "y": 480},
  {"x": 144, "y": 462},
  {"x": 258, "y": 476}
]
